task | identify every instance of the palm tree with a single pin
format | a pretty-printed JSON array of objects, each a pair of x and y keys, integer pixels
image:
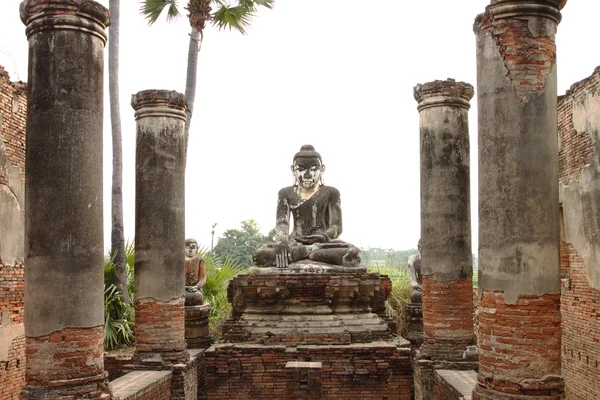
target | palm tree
[
  {"x": 233, "y": 16},
  {"x": 117, "y": 238}
]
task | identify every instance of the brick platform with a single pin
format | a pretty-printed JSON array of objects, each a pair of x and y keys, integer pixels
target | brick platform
[
  {"x": 143, "y": 385},
  {"x": 358, "y": 371}
]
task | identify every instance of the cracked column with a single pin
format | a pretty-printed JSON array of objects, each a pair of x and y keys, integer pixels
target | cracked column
[
  {"x": 159, "y": 226},
  {"x": 64, "y": 243},
  {"x": 519, "y": 271},
  {"x": 445, "y": 220}
]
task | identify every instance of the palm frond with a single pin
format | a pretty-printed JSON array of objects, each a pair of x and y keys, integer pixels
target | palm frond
[
  {"x": 265, "y": 3},
  {"x": 238, "y": 18},
  {"x": 152, "y": 9}
]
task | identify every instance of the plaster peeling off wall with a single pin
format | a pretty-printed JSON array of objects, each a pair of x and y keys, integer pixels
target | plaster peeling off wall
[
  {"x": 580, "y": 192},
  {"x": 13, "y": 113}
]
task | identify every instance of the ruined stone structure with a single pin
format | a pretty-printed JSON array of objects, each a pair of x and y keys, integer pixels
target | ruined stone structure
[
  {"x": 519, "y": 272},
  {"x": 13, "y": 110},
  {"x": 579, "y": 152},
  {"x": 63, "y": 204},
  {"x": 445, "y": 220},
  {"x": 308, "y": 330},
  {"x": 159, "y": 207}
]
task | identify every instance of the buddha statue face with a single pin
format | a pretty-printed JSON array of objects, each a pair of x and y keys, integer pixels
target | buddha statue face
[
  {"x": 307, "y": 172},
  {"x": 191, "y": 247}
]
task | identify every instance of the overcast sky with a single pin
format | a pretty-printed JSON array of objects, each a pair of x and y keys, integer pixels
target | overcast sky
[{"x": 337, "y": 74}]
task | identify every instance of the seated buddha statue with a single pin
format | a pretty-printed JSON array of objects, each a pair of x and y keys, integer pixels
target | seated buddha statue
[
  {"x": 195, "y": 274},
  {"x": 317, "y": 220}
]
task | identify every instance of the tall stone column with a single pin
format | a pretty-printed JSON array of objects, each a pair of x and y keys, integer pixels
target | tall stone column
[
  {"x": 160, "y": 226},
  {"x": 445, "y": 219},
  {"x": 64, "y": 243},
  {"x": 519, "y": 271}
]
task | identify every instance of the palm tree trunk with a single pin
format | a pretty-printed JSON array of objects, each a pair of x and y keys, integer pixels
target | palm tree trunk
[
  {"x": 117, "y": 234},
  {"x": 190, "y": 80}
]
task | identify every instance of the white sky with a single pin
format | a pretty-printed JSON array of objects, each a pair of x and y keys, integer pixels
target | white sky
[{"x": 337, "y": 74}]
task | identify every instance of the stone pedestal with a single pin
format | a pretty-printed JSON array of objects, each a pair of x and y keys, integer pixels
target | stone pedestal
[
  {"x": 414, "y": 312},
  {"x": 64, "y": 241},
  {"x": 159, "y": 227},
  {"x": 196, "y": 326},
  {"x": 446, "y": 267},
  {"x": 519, "y": 273},
  {"x": 287, "y": 321},
  {"x": 308, "y": 303}
]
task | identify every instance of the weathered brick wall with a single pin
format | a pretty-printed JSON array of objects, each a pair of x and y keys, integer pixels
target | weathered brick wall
[
  {"x": 13, "y": 114},
  {"x": 13, "y": 110},
  {"x": 580, "y": 309},
  {"x": 114, "y": 365},
  {"x": 12, "y": 370},
  {"x": 184, "y": 385},
  {"x": 12, "y": 334},
  {"x": 12, "y": 286},
  {"x": 359, "y": 371},
  {"x": 578, "y": 126}
]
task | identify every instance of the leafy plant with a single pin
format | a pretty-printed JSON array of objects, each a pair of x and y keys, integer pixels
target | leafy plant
[
  {"x": 218, "y": 275},
  {"x": 118, "y": 316},
  {"x": 117, "y": 320}
]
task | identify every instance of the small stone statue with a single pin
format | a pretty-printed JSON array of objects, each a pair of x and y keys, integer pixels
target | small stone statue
[
  {"x": 415, "y": 275},
  {"x": 317, "y": 213},
  {"x": 195, "y": 274}
]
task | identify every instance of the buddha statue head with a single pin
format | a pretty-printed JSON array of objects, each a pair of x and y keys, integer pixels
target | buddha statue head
[{"x": 307, "y": 168}]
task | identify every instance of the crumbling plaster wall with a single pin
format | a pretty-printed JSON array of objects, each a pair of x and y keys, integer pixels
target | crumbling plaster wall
[
  {"x": 579, "y": 171},
  {"x": 12, "y": 191},
  {"x": 13, "y": 109}
]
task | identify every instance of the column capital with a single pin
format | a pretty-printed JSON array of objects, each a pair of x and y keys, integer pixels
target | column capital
[
  {"x": 440, "y": 93},
  {"x": 84, "y": 15},
  {"x": 527, "y": 8},
  {"x": 156, "y": 102}
]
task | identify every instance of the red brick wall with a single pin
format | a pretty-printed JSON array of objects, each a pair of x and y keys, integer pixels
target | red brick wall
[
  {"x": 580, "y": 302},
  {"x": 12, "y": 286},
  {"x": 12, "y": 371},
  {"x": 13, "y": 112},
  {"x": 580, "y": 307},
  {"x": 360, "y": 371}
]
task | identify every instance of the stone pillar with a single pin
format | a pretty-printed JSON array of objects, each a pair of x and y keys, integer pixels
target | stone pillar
[
  {"x": 445, "y": 219},
  {"x": 159, "y": 226},
  {"x": 64, "y": 243},
  {"x": 519, "y": 271}
]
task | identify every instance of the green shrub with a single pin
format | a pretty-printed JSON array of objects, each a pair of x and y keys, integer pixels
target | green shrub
[
  {"x": 118, "y": 316},
  {"x": 400, "y": 295},
  {"x": 218, "y": 275}
]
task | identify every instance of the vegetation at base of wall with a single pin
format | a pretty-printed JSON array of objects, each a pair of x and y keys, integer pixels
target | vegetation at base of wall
[
  {"x": 118, "y": 316},
  {"x": 400, "y": 295},
  {"x": 218, "y": 275}
]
